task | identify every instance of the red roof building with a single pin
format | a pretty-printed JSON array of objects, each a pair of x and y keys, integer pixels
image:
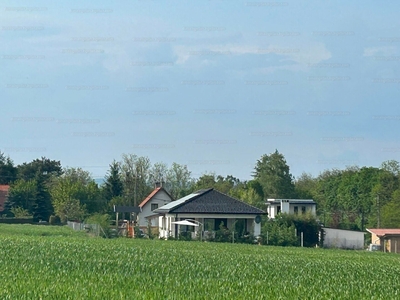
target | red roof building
[
  {"x": 157, "y": 198},
  {"x": 388, "y": 238},
  {"x": 3, "y": 195}
]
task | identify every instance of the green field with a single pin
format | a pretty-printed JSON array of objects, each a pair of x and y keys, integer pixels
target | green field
[{"x": 43, "y": 262}]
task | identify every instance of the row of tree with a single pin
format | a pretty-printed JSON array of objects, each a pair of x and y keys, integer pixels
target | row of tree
[{"x": 352, "y": 198}]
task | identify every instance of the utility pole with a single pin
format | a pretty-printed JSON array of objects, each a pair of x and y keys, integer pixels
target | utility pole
[{"x": 379, "y": 211}]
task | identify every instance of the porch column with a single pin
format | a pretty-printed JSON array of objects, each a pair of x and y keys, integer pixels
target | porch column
[{"x": 257, "y": 228}]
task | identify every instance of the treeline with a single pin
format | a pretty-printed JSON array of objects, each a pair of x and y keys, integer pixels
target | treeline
[
  {"x": 352, "y": 198},
  {"x": 356, "y": 197}
]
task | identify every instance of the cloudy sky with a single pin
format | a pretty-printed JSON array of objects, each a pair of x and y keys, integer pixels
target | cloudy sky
[{"x": 210, "y": 84}]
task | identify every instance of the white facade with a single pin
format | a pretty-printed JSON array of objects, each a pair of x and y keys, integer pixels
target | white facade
[
  {"x": 160, "y": 198},
  {"x": 344, "y": 239},
  {"x": 167, "y": 228},
  {"x": 290, "y": 206}
]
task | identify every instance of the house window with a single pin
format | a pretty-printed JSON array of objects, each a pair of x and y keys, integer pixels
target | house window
[
  {"x": 154, "y": 206},
  {"x": 209, "y": 224},
  {"x": 296, "y": 210},
  {"x": 220, "y": 222},
  {"x": 241, "y": 226},
  {"x": 303, "y": 210},
  {"x": 278, "y": 209}
]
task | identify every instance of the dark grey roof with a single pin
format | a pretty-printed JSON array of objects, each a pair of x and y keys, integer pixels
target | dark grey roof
[{"x": 210, "y": 201}]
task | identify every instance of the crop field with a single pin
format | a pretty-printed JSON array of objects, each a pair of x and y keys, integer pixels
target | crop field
[{"x": 43, "y": 262}]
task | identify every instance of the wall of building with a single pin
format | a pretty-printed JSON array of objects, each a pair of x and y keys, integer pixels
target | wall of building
[
  {"x": 161, "y": 198},
  {"x": 289, "y": 208},
  {"x": 394, "y": 244},
  {"x": 344, "y": 239}
]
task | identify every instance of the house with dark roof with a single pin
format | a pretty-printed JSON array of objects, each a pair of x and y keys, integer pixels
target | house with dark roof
[
  {"x": 3, "y": 195},
  {"x": 387, "y": 238},
  {"x": 208, "y": 209},
  {"x": 157, "y": 198}
]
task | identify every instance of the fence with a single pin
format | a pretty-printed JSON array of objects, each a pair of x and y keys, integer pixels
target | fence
[{"x": 90, "y": 228}]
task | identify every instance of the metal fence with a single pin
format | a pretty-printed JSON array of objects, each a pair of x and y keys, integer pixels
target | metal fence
[{"x": 90, "y": 228}]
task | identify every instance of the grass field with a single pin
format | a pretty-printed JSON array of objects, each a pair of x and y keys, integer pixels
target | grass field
[{"x": 43, "y": 262}]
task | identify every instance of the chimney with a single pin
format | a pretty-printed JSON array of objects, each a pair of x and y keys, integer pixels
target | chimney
[{"x": 157, "y": 184}]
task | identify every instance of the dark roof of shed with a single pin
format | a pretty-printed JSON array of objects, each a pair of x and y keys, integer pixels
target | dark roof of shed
[{"x": 210, "y": 201}]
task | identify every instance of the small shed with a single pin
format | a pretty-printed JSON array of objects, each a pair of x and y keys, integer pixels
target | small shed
[{"x": 388, "y": 238}]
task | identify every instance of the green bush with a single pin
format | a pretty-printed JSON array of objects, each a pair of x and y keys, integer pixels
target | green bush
[
  {"x": 185, "y": 236},
  {"x": 103, "y": 220},
  {"x": 286, "y": 229},
  {"x": 54, "y": 220}
]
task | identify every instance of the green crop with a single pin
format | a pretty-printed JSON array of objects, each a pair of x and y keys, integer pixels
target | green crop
[{"x": 62, "y": 264}]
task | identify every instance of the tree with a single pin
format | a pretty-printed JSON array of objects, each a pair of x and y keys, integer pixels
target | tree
[
  {"x": 158, "y": 173},
  {"x": 205, "y": 181},
  {"x": 256, "y": 186},
  {"x": 44, "y": 166},
  {"x": 391, "y": 166},
  {"x": 179, "y": 181},
  {"x": 23, "y": 194},
  {"x": 135, "y": 178},
  {"x": 251, "y": 197},
  {"x": 69, "y": 210},
  {"x": 8, "y": 172},
  {"x": 305, "y": 186},
  {"x": 75, "y": 189},
  {"x": 274, "y": 175},
  {"x": 113, "y": 186},
  {"x": 391, "y": 212},
  {"x": 42, "y": 208}
]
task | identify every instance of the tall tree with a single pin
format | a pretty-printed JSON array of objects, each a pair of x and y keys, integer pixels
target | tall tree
[
  {"x": 205, "y": 181},
  {"x": 46, "y": 167},
  {"x": 305, "y": 186},
  {"x": 42, "y": 208},
  {"x": 113, "y": 186},
  {"x": 158, "y": 173},
  {"x": 179, "y": 181},
  {"x": 135, "y": 177},
  {"x": 8, "y": 172},
  {"x": 274, "y": 175}
]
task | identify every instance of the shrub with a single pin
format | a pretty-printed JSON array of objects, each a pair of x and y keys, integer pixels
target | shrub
[
  {"x": 103, "y": 220},
  {"x": 54, "y": 220}
]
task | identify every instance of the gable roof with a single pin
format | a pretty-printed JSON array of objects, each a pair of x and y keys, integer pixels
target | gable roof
[
  {"x": 380, "y": 232},
  {"x": 3, "y": 195},
  {"x": 209, "y": 201},
  {"x": 152, "y": 194}
]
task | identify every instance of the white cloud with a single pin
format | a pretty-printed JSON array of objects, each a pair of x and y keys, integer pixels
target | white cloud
[
  {"x": 372, "y": 51},
  {"x": 297, "y": 56}
]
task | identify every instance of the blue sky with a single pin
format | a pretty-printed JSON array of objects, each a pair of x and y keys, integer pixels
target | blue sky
[{"x": 210, "y": 84}]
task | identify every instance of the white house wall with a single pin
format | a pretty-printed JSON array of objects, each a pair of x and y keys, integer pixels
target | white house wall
[
  {"x": 272, "y": 209},
  {"x": 161, "y": 198}
]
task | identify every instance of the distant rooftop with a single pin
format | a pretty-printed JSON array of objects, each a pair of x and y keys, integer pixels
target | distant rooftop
[
  {"x": 298, "y": 201},
  {"x": 383, "y": 231}
]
